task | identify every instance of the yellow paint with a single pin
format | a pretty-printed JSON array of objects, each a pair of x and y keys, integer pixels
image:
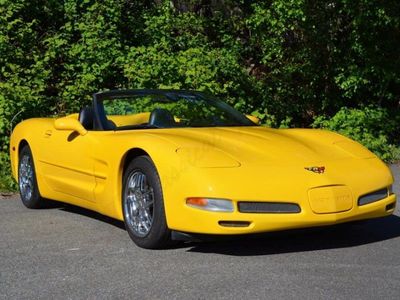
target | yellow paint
[
  {"x": 134, "y": 119},
  {"x": 254, "y": 119},
  {"x": 70, "y": 124},
  {"x": 236, "y": 163}
]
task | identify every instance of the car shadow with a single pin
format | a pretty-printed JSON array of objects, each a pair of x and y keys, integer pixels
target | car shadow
[
  {"x": 69, "y": 208},
  {"x": 280, "y": 242},
  {"x": 303, "y": 240}
]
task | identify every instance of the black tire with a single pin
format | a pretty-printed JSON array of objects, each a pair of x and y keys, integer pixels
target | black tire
[
  {"x": 142, "y": 197},
  {"x": 27, "y": 183}
]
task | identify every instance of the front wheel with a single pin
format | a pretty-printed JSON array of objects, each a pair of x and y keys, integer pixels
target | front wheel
[
  {"x": 28, "y": 187},
  {"x": 143, "y": 205}
]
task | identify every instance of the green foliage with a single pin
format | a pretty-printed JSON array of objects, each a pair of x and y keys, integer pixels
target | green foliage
[
  {"x": 6, "y": 182},
  {"x": 371, "y": 126},
  {"x": 285, "y": 61},
  {"x": 179, "y": 54},
  {"x": 316, "y": 56}
]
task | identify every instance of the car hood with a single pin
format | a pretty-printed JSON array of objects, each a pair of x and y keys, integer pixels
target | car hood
[{"x": 235, "y": 146}]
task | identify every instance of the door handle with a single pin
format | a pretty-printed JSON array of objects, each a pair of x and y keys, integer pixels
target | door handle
[{"x": 48, "y": 133}]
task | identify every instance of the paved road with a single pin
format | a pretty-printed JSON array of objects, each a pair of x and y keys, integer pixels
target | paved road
[{"x": 69, "y": 253}]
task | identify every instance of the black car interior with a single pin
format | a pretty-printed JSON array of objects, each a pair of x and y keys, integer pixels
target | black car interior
[{"x": 86, "y": 117}]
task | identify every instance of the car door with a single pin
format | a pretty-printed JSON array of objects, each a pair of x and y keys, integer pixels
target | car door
[{"x": 67, "y": 163}]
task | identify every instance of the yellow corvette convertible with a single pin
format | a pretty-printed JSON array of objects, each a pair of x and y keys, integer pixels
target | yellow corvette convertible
[{"x": 165, "y": 160}]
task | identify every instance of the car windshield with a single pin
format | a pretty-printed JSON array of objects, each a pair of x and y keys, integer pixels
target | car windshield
[{"x": 169, "y": 110}]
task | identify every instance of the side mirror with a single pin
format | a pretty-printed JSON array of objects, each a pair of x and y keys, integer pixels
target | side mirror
[
  {"x": 254, "y": 119},
  {"x": 67, "y": 123}
]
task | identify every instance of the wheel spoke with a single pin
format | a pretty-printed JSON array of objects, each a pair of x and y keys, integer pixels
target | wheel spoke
[
  {"x": 149, "y": 204},
  {"x": 145, "y": 226},
  {"x": 131, "y": 184},
  {"x": 142, "y": 185},
  {"x": 26, "y": 177},
  {"x": 139, "y": 202}
]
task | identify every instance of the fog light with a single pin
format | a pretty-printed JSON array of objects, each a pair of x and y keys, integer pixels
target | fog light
[{"x": 210, "y": 204}]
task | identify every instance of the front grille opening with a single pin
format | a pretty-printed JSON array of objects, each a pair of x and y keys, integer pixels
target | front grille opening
[
  {"x": 269, "y": 207},
  {"x": 234, "y": 223},
  {"x": 372, "y": 197},
  {"x": 390, "y": 206}
]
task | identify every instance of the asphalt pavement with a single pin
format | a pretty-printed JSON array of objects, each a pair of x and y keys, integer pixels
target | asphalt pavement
[{"x": 65, "y": 252}]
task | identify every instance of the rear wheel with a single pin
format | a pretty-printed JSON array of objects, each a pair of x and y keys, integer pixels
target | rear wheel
[
  {"x": 143, "y": 205},
  {"x": 28, "y": 187}
]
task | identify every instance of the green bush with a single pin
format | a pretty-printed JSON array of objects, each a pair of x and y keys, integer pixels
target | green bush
[
  {"x": 6, "y": 181},
  {"x": 371, "y": 126}
]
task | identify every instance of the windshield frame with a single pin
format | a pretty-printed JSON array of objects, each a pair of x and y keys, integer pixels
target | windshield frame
[{"x": 100, "y": 119}]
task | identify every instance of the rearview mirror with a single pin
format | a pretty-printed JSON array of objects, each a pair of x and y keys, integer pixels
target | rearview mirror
[
  {"x": 254, "y": 119},
  {"x": 68, "y": 123}
]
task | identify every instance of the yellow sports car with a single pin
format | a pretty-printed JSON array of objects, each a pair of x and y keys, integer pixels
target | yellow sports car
[{"x": 165, "y": 160}]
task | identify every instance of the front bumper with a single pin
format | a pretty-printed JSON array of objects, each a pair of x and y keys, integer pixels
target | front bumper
[
  {"x": 253, "y": 183},
  {"x": 212, "y": 223}
]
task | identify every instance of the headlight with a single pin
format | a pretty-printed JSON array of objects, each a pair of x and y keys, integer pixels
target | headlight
[{"x": 210, "y": 204}]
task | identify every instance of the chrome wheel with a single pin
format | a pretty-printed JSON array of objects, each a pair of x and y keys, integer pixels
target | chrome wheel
[
  {"x": 143, "y": 204},
  {"x": 138, "y": 203},
  {"x": 26, "y": 177}
]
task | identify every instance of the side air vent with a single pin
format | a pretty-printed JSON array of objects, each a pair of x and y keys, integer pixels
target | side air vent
[
  {"x": 269, "y": 207},
  {"x": 372, "y": 197}
]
